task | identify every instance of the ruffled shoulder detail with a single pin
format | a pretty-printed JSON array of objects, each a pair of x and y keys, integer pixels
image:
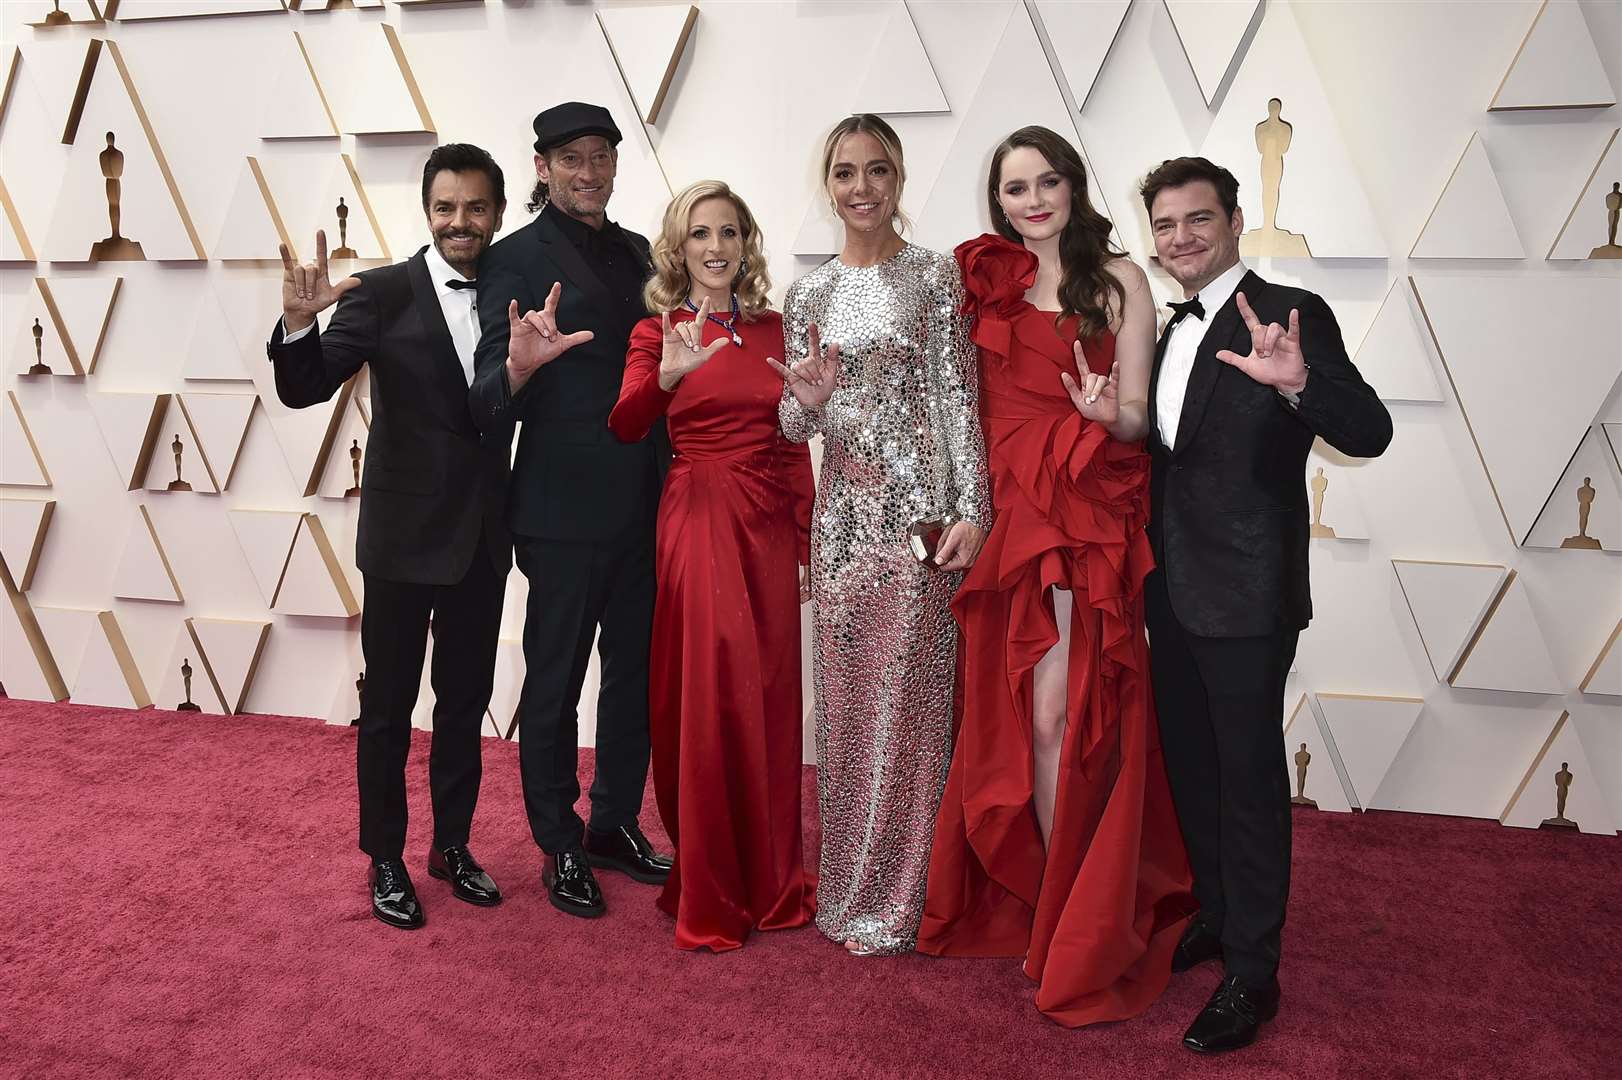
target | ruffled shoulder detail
[{"x": 997, "y": 273}]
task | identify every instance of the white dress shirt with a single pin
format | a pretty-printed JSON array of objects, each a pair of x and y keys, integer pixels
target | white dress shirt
[
  {"x": 461, "y": 308},
  {"x": 1177, "y": 361}
]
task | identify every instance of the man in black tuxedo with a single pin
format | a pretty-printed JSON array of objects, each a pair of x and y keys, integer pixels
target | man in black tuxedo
[
  {"x": 583, "y": 503},
  {"x": 433, "y": 543},
  {"x": 1246, "y": 374}
]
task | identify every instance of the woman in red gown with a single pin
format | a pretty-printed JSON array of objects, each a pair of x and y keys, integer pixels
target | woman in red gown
[
  {"x": 734, "y": 522},
  {"x": 1057, "y": 840}
]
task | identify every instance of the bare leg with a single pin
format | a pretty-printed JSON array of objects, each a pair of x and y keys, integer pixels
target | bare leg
[{"x": 1049, "y": 705}]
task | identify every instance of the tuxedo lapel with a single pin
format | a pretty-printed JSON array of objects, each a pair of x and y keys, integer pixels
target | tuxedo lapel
[
  {"x": 1227, "y": 331},
  {"x": 1154, "y": 388},
  {"x": 441, "y": 349}
]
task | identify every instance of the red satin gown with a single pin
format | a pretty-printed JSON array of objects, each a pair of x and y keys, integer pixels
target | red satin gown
[
  {"x": 1097, "y": 914},
  {"x": 724, "y": 689}
]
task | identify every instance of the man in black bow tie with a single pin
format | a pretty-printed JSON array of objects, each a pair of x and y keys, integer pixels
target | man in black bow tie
[
  {"x": 432, "y": 542},
  {"x": 559, "y": 298},
  {"x": 1246, "y": 374}
]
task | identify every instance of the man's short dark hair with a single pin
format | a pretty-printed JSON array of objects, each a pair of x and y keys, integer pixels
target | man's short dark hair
[
  {"x": 463, "y": 157},
  {"x": 1187, "y": 170}
]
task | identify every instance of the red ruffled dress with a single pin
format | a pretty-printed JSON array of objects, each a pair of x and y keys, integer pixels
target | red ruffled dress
[{"x": 1098, "y": 913}]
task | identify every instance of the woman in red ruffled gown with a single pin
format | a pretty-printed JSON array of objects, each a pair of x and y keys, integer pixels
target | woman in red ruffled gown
[
  {"x": 734, "y": 522},
  {"x": 1057, "y": 840}
]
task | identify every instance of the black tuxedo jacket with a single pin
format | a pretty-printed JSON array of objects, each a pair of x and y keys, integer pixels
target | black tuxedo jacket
[
  {"x": 1228, "y": 504},
  {"x": 572, "y": 479},
  {"x": 432, "y": 482}
]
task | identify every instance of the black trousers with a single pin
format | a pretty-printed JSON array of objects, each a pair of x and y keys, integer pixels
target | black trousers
[
  {"x": 575, "y": 587},
  {"x": 466, "y": 620},
  {"x": 1220, "y": 703}
]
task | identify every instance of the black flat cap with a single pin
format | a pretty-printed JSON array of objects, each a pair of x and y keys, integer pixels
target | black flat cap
[{"x": 567, "y": 122}]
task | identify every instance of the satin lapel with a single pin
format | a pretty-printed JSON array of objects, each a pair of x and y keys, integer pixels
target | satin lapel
[
  {"x": 441, "y": 349},
  {"x": 1154, "y": 390},
  {"x": 1227, "y": 332},
  {"x": 570, "y": 264}
]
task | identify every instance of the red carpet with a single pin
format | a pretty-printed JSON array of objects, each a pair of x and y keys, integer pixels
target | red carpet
[{"x": 182, "y": 897}]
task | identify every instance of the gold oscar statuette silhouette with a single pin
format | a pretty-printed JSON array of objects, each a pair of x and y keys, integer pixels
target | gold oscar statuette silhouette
[
  {"x": 1585, "y": 503},
  {"x": 1320, "y": 483},
  {"x": 1302, "y": 760},
  {"x": 40, "y": 366},
  {"x": 1562, "y": 788},
  {"x": 57, "y": 17},
  {"x": 1613, "y": 210},
  {"x": 177, "y": 484},
  {"x": 360, "y": 698},
  {"x": 344, "y": 250},
  {"x": 1272, "y": 140},
  {"x": 115, "y": 248},
  {"x": 185, "y": 674},
  {"x": 354, "y": 464}
]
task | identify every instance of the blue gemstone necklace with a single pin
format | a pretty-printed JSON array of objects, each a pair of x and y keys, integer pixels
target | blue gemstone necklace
[{"x": 728, "y": 324}]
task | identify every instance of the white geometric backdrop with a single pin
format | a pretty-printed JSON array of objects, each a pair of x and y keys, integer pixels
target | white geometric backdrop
[{"x": 1448, "y": 166}]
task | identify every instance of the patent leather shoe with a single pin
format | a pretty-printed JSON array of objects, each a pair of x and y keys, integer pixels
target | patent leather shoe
[
  {"x": 394, "y": 901},
  {"x": 571, "y": 885},
  {"x": 468, "y": 880},
  {"x": 628, "y": 851},
  {"x": 1232, "y": 1017},
  {"x": 1199, "y": 943}
]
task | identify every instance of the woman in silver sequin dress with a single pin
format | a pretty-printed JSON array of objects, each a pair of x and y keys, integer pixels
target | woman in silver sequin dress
[{"x": 894, "y": 396}]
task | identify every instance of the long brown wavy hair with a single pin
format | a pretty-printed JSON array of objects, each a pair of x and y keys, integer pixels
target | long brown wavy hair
[{"x": 1086, "y": 289}]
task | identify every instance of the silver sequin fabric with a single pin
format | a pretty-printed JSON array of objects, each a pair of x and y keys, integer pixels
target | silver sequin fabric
[{"x": 901, "y": 441}]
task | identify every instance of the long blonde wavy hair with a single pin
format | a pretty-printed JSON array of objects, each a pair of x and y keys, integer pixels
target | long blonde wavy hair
[{"x": 670, "y": 284}]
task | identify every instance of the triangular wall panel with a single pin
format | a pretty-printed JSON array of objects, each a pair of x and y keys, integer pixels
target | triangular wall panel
[
  {"x": 648, "y": 43},
  {"x": 212, "y": 349},
  {"x": 1211, "y": 32},
  {"x": 1592, "y": 482},
  {"x": 1509, "y": 652},
  {"x": 266, "y": 538},
  {"x": 1604, "y": 675},
  {"x": 15, "y": 243},
  {"x": 1524, "y": 428},
  {"x": 152, "y": 212},
  {"x": 1557, "y": 66},
  {"x": 293, "y": 106},
  {"x": 67, "y": 632},
  {"x": 1320, "y": 196},
  {"x": 24, "y": 524},
  {"x": 144, "y": 571},
  {"x": 1470, "y": 219},
  {"x": 1585, "y": 233},
  {"x": 1537, "y": 797},
  {"x": 129, "y": 426},
  {"x": 76, "y": 312},
  {"x": 1324, "y": 784},
  {"x": 366, "y": 79},
  {"x": 900, "y": 77},
  {"x": 230, "y": 649},
  {"x": 252, "y": 228},
  {"x": 220, "y": 423},
  {"x": 21, "y": 463},
  {"x": 1369, "y": 732},
  {"x": 108, "y": 675},
  {"x": 1081, "y": 36},
  {"x": 27, "y": 667},
  {"x": 314, "y": 583},
  {"x": 1394, "y": 356},
  {"x": 1448, "y": 601},
  {"x": 176, "y": 458}
]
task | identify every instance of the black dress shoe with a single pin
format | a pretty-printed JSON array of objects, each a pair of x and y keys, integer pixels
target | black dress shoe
[
  {"x": 1232, "y": 1016},
  {"x": 628, "y": 851},
  {"x": 571, "y": 885},
  {"x": 394, "y": 901},
  {"x": 468, "y": 880},
  {"x": 1198, "y": 944}
]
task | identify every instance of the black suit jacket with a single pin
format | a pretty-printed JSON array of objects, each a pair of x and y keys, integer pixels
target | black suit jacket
[
  {"x": 433, "y": 483},
  {"x": 572, "y": 479},
  {"x": 1228, "y": 504}
]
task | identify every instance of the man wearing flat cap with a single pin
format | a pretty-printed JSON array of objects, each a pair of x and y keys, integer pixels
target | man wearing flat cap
[{"x": 557, "y": 300}]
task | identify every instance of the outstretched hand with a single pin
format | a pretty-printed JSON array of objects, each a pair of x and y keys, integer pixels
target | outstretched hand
[
  {"x": 1096, "y": 397},
  {"x": 812, "y": 380},
  {"x": 1275, "y": 356},
  {"x": 534, "y": 339},
  {"x": 682, "y": 351},
  {"x": 306, "y": 289}
]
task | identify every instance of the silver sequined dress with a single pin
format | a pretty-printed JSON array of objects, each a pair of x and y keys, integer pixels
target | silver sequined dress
[{"x": 901, "y": 441}]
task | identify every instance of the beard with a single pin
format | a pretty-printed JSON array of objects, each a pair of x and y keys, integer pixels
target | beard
[{"x": 464, "y": 256}]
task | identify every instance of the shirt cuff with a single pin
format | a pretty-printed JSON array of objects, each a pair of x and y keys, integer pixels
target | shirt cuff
[{"x": 288, "y": 339}]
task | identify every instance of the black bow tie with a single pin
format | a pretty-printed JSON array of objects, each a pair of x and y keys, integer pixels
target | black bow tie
[
  {"x": 458, "y": 283},
  {"x": 1191, "y": 306}
]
